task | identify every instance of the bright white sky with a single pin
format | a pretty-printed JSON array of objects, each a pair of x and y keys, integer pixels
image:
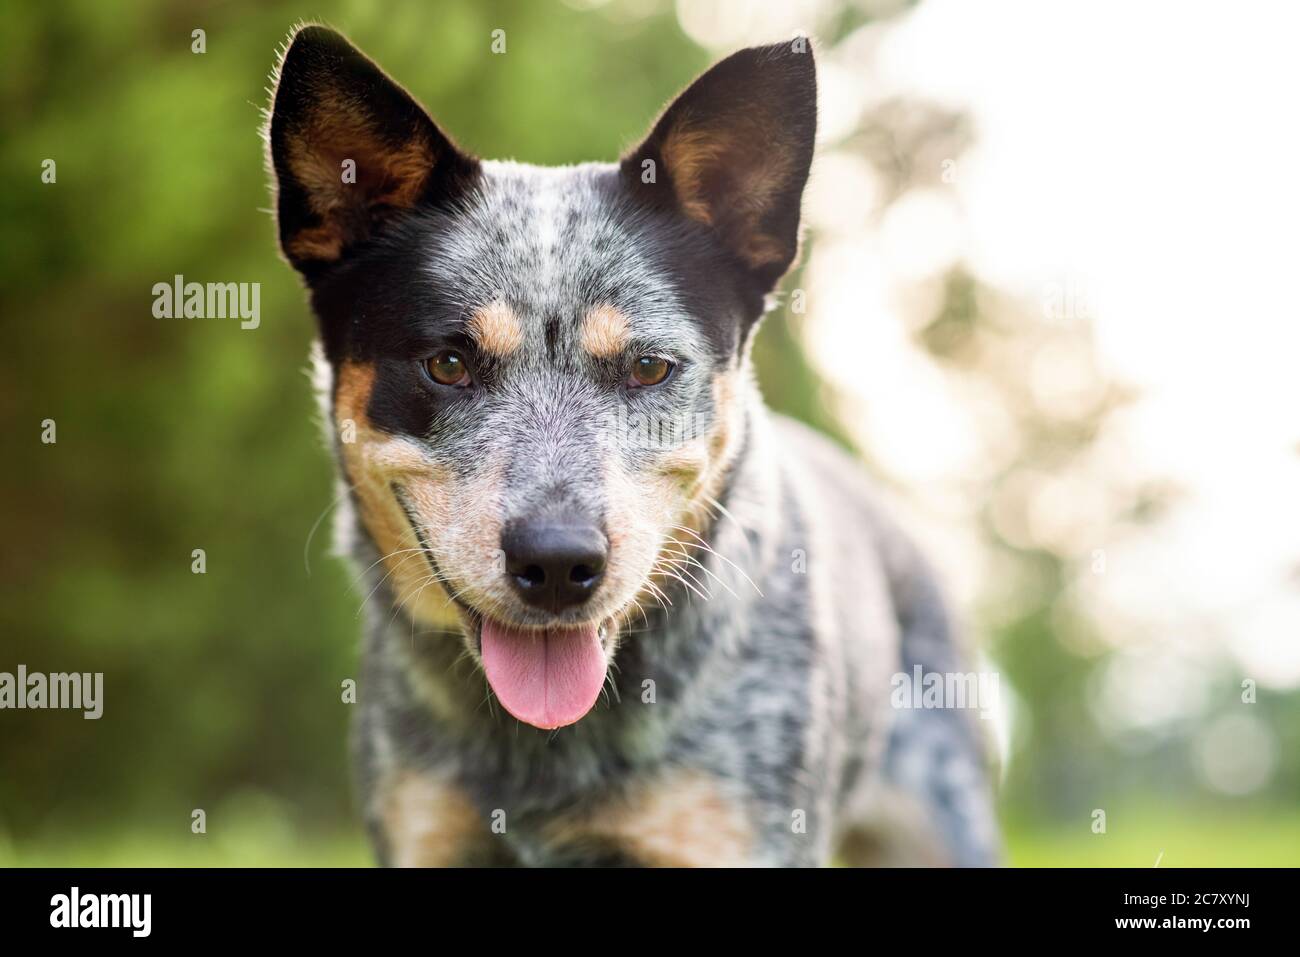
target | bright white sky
[{"x": 1148, "y": 155}]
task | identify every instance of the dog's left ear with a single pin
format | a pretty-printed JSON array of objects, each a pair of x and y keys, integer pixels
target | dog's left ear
[
  {"x": 350, "y": 149},
  {"x": 732, "y": 152}
]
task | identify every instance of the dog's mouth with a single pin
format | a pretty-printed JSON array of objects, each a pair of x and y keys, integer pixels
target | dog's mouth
[{"x": 548, "y": 676}]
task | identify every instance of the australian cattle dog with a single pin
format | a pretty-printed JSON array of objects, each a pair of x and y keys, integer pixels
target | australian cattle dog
[{"x": 620, "y": 613}]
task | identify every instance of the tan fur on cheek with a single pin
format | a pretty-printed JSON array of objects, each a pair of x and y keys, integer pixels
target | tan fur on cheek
[
  {"x": 661, "y": 513},
  {"x": 428, "y": 823},
  {"x": 605, "y": 332},
  {"x": 465, "y": 532},
  {"x": 689, "y": 482},
  {"x": 634, "y": 538},
  {"x": 684, "y": 819},
  {"x": 496, "y": 329},
  {"x": 373, "y": 461},
  {"x": 714, "y": 454},
  {"x": 459, "y": 518}
]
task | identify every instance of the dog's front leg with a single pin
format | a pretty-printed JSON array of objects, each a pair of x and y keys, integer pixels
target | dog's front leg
[{"x": 422, "y": 819}]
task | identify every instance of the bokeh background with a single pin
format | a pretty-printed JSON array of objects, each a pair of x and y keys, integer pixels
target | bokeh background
[{"x": 1048, "y": 295}]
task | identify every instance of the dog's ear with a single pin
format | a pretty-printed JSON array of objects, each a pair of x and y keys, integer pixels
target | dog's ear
[
  {"x": 349, "y": 148},
  {"x": 733, "y": 151}
]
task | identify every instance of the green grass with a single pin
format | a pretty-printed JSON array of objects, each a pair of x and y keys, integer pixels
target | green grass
[
  {"x": 1135, "y": 837},
  {"x": 1177, "y": 837},
  {"x": 244, "y": 848}
]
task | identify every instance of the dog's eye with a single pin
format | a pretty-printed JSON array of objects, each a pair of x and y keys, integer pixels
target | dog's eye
[
  {"x": 649, "y": 370},
  {"x": 447, "y": 368}
]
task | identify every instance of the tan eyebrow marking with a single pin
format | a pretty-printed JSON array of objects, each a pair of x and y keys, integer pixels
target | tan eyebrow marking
[
  {"x": 496, "y": 329},
  {"x": 605, "y": 331}
]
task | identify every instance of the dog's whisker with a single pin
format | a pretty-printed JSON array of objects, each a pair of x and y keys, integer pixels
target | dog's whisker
[
  {"x": 611, "y": 681},
  {"x": 721, "y": 557},
  {"x": 659, "y": 595},
  {"x": 412, "y": 600},
  {"x": 683, "y": 570},
  {"x": 696, "y": 563},
  {"x": 406, "y": 554},
  {"x": 682, "y": 564},
  {"x": 381, "y": 581},
  {"x": 383, "y": 558},
  {"x": 672, "y": 574},
  {"x": 306, "y": 546}
]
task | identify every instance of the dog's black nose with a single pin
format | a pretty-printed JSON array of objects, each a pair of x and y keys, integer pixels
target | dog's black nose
[{"x": 554, "y": 566}]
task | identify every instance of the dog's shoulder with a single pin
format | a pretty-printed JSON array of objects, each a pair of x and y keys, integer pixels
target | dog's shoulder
[
  {"x": 827, "y": 478},
  {"x": 856, "y": 512}
]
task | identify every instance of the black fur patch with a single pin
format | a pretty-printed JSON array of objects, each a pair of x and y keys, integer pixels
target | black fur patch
[
  {"x": 332, "y": 105},
  {"x": 733, "y": 152}
]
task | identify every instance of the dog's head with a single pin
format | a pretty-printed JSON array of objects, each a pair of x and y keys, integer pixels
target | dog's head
[{"x": 537, "y": 373}]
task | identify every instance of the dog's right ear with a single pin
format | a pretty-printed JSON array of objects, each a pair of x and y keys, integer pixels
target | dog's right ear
[
  {"x": 733, "y": 152},
  {"x": 349, "y": 149}
]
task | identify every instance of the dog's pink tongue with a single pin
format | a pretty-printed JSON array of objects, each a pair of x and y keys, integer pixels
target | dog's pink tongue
[{"x": 548, "y": 679}]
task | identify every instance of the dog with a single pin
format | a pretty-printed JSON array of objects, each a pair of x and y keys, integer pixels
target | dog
[{"x": 619, "y": 614}]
